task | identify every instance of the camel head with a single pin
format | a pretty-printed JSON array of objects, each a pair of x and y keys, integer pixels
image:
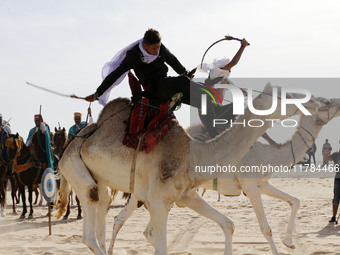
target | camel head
[
  {"x": 329, "y": 109},
  {"x": 271, "y": 100}
]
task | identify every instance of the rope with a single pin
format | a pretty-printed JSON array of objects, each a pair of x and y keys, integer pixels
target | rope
[
  {"x": 303, "y": 140},
  {"x": 133, "y": 165},
  {"x": 291, "y": 147},
  {"x": 87, "y": 135}
]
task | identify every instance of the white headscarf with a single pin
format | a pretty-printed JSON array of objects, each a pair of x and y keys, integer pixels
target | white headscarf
[
  {"x": 115, "y": 62},
  {"x": 215, "y": 68}
]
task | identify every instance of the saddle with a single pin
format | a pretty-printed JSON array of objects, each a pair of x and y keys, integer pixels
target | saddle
[{"x": 150, "y": 119}]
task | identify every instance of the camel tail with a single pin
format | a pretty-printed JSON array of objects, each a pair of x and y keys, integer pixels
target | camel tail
[{"x": 65, "y": 190}]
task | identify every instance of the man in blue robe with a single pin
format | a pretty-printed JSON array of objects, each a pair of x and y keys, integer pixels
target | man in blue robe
[
  {"x": 39, "y": 142},
  {"x": 79, "y": 125}
]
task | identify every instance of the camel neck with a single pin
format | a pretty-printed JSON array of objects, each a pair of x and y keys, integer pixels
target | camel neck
[
  {"x": 227, "y": 148},
  {"x": 286, "y": 155}
]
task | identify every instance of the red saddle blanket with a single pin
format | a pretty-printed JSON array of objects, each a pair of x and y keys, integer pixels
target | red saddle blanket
[{"x": 153, "y": 123}]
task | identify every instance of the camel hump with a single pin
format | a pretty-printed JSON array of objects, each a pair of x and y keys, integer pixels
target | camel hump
[{"x": 114, "y": 107}]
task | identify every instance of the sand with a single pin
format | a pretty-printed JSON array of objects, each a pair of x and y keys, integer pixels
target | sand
[{"x": 189, "y": 233}]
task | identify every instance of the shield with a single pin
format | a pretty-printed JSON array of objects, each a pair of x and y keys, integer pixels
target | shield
[{"x": 49, "y": 185}]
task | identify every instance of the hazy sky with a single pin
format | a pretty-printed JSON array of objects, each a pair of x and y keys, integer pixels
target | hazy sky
[{"x": 63, "y": 45}]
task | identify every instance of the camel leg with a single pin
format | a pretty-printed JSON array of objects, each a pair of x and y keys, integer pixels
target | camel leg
[
  {"x": 90, "y": 218},
  {"x": 120, "y": 219},
  {"x": 159, "y": 216},
  {"x": 294, "y": 202},
  {"x": 199, "y": 205},
  {"x": 89, "y": 226},
  {"x": 254, "y": 196},
  {"x": 102, "y": 209},
  {"x": 148, "y": 235},
  {"x": 86, "y": 189}
]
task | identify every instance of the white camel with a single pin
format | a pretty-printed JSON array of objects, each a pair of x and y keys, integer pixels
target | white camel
[
  {"x": 288, "y": 154},
  {"x": 255, "y": 184},
  {"x": 162, "y": 177}
]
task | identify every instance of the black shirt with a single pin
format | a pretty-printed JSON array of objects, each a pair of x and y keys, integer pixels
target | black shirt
[
  {"x": 336, "y": 158},
  {"x": 146, "y": 73}
]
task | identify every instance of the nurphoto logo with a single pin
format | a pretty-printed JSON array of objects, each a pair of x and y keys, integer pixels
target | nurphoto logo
[{"x": 238, "y": 101}]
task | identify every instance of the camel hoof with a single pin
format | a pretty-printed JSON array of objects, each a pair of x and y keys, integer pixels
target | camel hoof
[
  {"x": 79, "y": 217},
  {"x": 22, "y": 216},
  {"x": 65, "y": 218},
  {"x": 15, "y": 213},
  {"x": 30, "y": 217},
  {"x": 288, "y": 243}
]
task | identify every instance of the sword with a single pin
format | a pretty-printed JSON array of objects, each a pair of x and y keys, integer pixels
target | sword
[{"x": 54, "y": 92}]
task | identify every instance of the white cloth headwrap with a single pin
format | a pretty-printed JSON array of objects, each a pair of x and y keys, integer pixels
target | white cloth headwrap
[
  {"x": 147, "y": 58},
  {"x": 215, "y": 68},
  {"x": 115, "y": 62}
]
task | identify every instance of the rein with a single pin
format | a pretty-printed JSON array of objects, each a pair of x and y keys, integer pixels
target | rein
[
  {"x": 318, "y": 122},
  {"x": 303, "y": 140}
]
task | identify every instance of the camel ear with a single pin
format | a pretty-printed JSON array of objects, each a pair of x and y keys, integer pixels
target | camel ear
[
  {"x": 16, "y": 135},
  {"x": 289, "y": 95},
  {"x": 268, "y": 88},
  {"x": 64, "y": 129},
  {"x": 55, "y": 129}
]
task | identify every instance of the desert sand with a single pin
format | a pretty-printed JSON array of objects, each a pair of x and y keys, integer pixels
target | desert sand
[{"x": 189, "y": 233}]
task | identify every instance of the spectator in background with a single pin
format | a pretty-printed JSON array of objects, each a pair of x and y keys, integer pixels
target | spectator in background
[
  {"x": 311, "y": 153},
  {"x": 336, "y": 198},
  {"x": 78, "y": 124},
  {"x": 326, "y": 151}
]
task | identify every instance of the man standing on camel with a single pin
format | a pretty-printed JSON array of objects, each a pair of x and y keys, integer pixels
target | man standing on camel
[{"x": 147, "y": 57}]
